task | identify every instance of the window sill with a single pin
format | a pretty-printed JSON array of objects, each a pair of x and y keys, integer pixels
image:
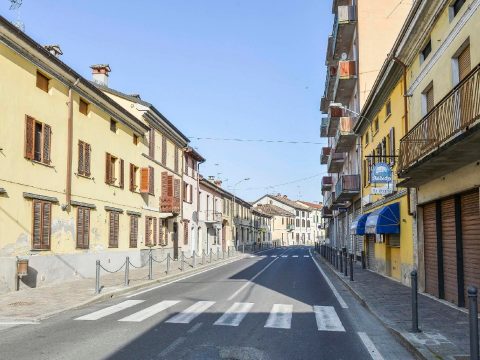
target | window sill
[
  {"x": 388, "y": 117},
  {"x": 40, "y": 250},
  {"x": 84, "y": 176},
  {"x": 41, "y": 163}
]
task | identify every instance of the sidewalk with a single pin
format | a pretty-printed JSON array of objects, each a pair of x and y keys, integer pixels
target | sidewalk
[
  {"x": 444, "y": 328},
  {"x": 32, "y": 305}
]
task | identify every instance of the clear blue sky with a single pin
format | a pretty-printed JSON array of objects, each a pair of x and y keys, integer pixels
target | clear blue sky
[{"x": 249, "y": 69}]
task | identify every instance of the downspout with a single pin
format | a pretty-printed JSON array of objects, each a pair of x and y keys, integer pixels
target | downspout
[
  {"x": 197, "y": 245},
  {"x": 405, "y": 114},
  {"x": 68, "y": 188}
]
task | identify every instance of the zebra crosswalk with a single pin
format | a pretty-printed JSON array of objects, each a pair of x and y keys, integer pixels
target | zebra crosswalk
[
  {"x": 277, "y": 256},
  {"x": 280, "y": 316}
]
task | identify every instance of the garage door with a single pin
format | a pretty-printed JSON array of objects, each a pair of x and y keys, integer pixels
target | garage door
[
  {"x": 430, "y": 248},
  {"x": 449, "y": 250}
]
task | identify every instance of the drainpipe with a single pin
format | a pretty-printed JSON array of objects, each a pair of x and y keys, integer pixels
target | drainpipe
[
  {"x": 68, "y": 188},
  {"x": 405, "y": 114},
  {"x": 197, "y": 245}
]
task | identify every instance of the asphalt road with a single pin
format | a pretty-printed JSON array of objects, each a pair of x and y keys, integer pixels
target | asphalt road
[{"x": 274, "y": 305}]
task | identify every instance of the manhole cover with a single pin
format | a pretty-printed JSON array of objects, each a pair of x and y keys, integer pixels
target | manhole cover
[{"x": 21, "y": 303}]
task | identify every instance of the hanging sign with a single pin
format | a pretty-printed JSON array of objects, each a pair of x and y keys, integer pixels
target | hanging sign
[{"x": 381, "y": 173}]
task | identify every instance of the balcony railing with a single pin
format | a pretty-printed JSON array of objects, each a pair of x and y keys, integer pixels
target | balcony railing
[
  {"x": 347, "y": 187},
  {"x": 455, "y": 113},
  {"x": 290, "y": 227},
  {"x": 343, "y": 30},
  {"x": 326, "y": 212},
  {"x": 346, "y": 81},
  {"x": 345, "y": 137},
  {"x": 325, "y": 154},
  {"x": 327, "y": 183},
  {"x": 335, "y": 162}
]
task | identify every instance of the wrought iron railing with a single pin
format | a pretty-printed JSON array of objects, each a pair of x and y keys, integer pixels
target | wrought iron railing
[
  {"x": 454, "y": 113},
  {"x": 347, "y": 184}
]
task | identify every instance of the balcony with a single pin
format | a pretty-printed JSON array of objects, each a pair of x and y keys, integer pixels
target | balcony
[
  {"x": 324, "y": 127},
  {"x": 343, "y": 30},
  {"x": 324, "y": 155},
  {"x": 335, "y": 162},
  {"x": 345, "y": 82},
  {"x": 213, "y": 217},
  {"x": 327, "y": 183},
  {"x": 347, "y": 187},
  {"x": 290, "y": 227},
  {"x": 324, "y": 102},
  {"x": 336, "y": 203},
  {"x": 345, "y": 138},
  {"x": 447, "y": 138},
  {"x": 327, "y": 199},
  {"x": 326, "y": 212}
]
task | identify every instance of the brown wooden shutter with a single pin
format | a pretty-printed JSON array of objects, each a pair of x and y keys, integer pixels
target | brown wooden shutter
[
  {"x": 42, "y": 81},
  {"x": 429, "y": 99},
  {"x": 184, "y": 191},
  {"x": 160, "y": 232},
  {"x": 111, "y": 229},
  {"x": 151, "y": 143},
  {"x": 164, "y": 150},
  {"x": 191, "y": 193},
  {"x": 185, "y": 232},
  {"x": 37, "y": 225},
  {"x": 176, "y": 195},
  {"x": 108, "y": 168},
  {"x": 151, "y": 180},
  {"x": 81, "y": 158},
  {"x": 154, "y": 231},
  {"x": 144, "y": 180},
  {"x": 133, "y": 231},
  {"x": 392, "y": 145},
  {"x": 88, "y": 150},
  {"x": 170, "y": 186},
  {"x": 46, "y": 224},
  {"x": 47, "y": 138},
  {"x": 464, "y": 65},
  {"x": 132, "y": 177},
  {"x": 29, "y": 137},
  {"x": 175, "y": 164},
  {"x": 122, "y": 177},
  {"x": 80, "y": 224},
  {"x": 86, "y": 228}
]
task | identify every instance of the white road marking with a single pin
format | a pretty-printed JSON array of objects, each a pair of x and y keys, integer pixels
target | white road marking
[
  {"x": 172, "y": 346},
  {"x": 306, "y": 255},
  {"x": 284, "y": 256},
  {"x": 150, "y": 311},
  {"x": 252, "y": 256},
  {"x": 110, "y": 310},
  {"x": 182, "y": 278},
  {"x": 234, "y": 315},
  {"x": 190, "y": 313},
  {"x": 253, "y": 278},
  {"x": 294, "y": 255},
  {"x": 273, "y": 256},
  {"x": 370, "y": 346},
  {"x": 195, "y": 328},
  {"x": 327, "y": 319},
  {"x": 280, "y": 317},
  {"x": 342, "y": 302},
  {"x": 19, "y": 322}
]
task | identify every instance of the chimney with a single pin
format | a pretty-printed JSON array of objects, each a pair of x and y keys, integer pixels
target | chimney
[
  {"x": 100, "y": 74},
  {"x": 218, "y": 183},
  {"x": 54, "y": 50}
]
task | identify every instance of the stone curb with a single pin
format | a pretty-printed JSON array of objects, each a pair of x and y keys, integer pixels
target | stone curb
[{"x": 418, "y": 351}]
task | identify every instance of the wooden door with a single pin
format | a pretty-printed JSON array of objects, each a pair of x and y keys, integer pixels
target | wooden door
[{"x": 175, "y": 240}]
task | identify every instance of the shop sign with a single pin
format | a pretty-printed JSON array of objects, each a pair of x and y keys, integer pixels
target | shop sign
[
  {"x": 384, "y": 190},
  {"x": 381, "y": 173}
]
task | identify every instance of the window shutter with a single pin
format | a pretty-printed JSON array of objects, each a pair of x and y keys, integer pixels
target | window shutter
[
  {"x": 184, "y": 191},
  {"x": 164, "y": 150},
  {"x": 46, "y": 224},
  {"x": 392, "y": 145},
  {"x": 88, "y": 150},
  {"x": 111, "y": 230},
  {"x": 175, "y": 149},
  {"x": 108, "y": 170},
  {"x": 176, "y": 195},
  {"x": 154, "y": 231},
  {"x": 81, "y": 158},
  {"x": 116, "y": 228},
  {"x": 151, "y": 180},
  {"x": 160, "y": 232},
  {"x": 132, "y": 177},
  {"x": 37, "y": 225},
  {"x": 133, "y": 231},
  {"x": 464, "y": 63},
  {"x": 144, "y": 180},
  {"x": 429, "y": 99},
  {"x": 47, "y": 137},
  {"x": 191, "y": 193},
  {"x": 151, "y": 143},
  {"x": 170, "y": 186},
  {"x": 86, "y": 228},
  {"x": 122, "y": 178},
  {"x": 29, "y": 137},
  {"x": 185, "y": 232},
  {"x": 80, "y": 223}
]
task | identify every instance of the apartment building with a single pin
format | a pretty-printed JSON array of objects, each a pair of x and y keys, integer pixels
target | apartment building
[
  {"x": 315, "y": 222},
  {"x": 363, "y": 33},
  {"x": 83, "y": 183},
  {"x": 210, "y": 217},
  {"x": 262, "y": 227},
  {"x": 282, "y": 224}
]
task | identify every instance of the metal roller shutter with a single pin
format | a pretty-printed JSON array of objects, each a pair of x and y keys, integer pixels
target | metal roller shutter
[
  {"x": 449, "y": 250},
  {"x": 371, "y": 252},
  {"x": 430, "y": 249}
]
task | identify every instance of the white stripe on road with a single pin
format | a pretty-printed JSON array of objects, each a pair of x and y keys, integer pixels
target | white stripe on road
[
  {"x": 150, "y": 311},
  {"x": 172, "y": 346},
  {"x": 280, "y": 317},
  {"x": 342, "y": 302},
  {"x": 253, "y": 278},
  {"x": 274, "y": 256},
  {"x": 284, "y": 256},
  {"x": 19, "y": 322},
  {"x": 234, "y": 315},
  {"x": 294, "y": 255},
  {"x": 191, "y": 313},
  {"x": 306, "y": 255},
  {"x": 327, "y": 319},
  {"x": 110, "y": 310},
  {"x": 371, "y": 348}
]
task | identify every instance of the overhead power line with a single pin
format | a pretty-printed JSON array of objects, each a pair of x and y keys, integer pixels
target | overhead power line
[
  {"x": 285, "y": 183},
  {"x": 258, "y": 140}
]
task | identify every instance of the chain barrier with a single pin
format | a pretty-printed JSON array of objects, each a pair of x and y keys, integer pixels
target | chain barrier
[
  {"x": 136, "y": 267},
  {"x": 158, "y": 261},
  {"x": 113, "y": 272}
]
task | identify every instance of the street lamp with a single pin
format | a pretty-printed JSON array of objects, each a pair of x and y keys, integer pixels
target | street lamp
[{"x": 233, "y": 206}]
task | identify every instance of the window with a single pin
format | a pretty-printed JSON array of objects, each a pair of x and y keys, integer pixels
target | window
[
  {"x": 42, "y": 81},
  {"x": 37, "y": 141},
  {"x": 375, "y": 125},
  {"x": 83, "y": 107},
  {"x": 113, "y": 125},
  {"x": 114, "y": 166},
  {"x": 303, "y": 222},
  {"x": 133, "y": 231},
  {"x": 133, "y": 177},
  {"x": 464, "y": 65},
  {"x": 394, "y": 240},
  {"x": 388, "y": 108},
  {"x": 308, "y": 223},
  {"x": 185, "y": 194},
  {"x": 426, "y": 51},
  {"x": 175, "y": 164},
  {"x": 283, "y": 220},
  {"x": 367, "y": 137},
  {"x": 83, "y": 228},
  {"x": 163, "y": 232},
  {"x": 297, "y": 212},
  {"x": 150, "y": 231},
  {"x": 84, "y": 152},
  {"x": 151, "y": 143},
  {"x": 391, "y": 141},
  {"x": 455, "y": 8},
  {"x": 135, "y": 139},
  {"x": 151, "y": 181},
  {"x": 427, "y": 101},
  {"x": 186, "y": 161},
  {"x": 113, "y": 220},
  {"x": 297, "y": 222},
  {"x": 42, "y": 224},
  {"x": 164, "y": 150}
]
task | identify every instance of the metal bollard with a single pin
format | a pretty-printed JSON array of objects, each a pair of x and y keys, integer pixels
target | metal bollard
[
  {"x": 193, "y": 259},
  {"x": 243, "y": 248},
  {"x": 340, "y": 259},
  {"x": 351, "y": 267},
  {"x": 182, "y": 261},
  {"x": 346, "y": 262},
  {"x": 218, "y": 254},
  {"x": 228, "y": 252},
  {"x": 211, "y": 255},
  {"x": 97, "y": 277},
  {"x": 203, "y": 257},
  {"x": 413, "y": 275},
  {"x": 150, "y": 265},
  {"x": 127, "y": 263},
  {"x": 473, "y": 316},
  {"x": 168, "y": 263},
  {"x": 364, "y": 262}
]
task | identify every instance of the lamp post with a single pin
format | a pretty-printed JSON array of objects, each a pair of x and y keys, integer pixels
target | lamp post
[{"x": 233, "y": 206}]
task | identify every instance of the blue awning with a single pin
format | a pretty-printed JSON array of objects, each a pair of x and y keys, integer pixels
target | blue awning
[
  {"x": 385, "y": 220},
  {"x": 358, "y": 226}
]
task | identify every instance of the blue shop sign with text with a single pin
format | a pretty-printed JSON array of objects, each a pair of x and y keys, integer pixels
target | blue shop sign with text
[{"x": 381, "y": 173}]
